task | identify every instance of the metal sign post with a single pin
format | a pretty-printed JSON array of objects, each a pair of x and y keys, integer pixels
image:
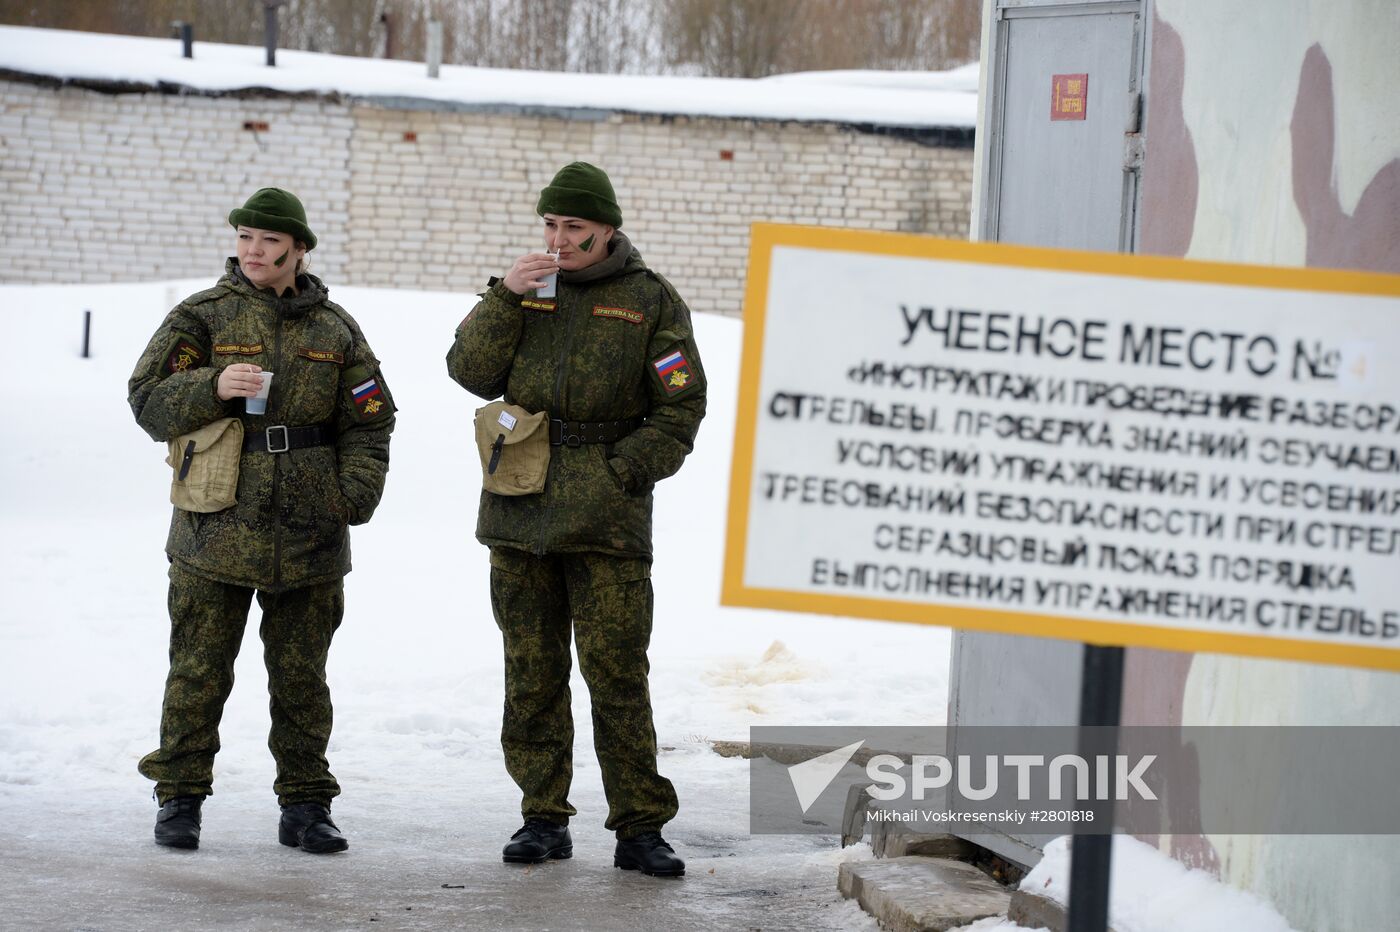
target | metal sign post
[{"x": 1100, "y": 703}]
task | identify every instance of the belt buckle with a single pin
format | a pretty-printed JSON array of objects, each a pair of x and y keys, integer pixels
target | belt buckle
[{"x": 286, "y": 439}]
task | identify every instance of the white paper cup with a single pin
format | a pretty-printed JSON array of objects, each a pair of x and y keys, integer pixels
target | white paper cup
[
  {"x": 258, "y": 403},
  {"x": 550, "y": 282}
]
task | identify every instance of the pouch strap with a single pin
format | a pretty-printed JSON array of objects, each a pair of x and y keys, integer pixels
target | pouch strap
[
  {"x": 280, "y": 439},
  {"x": 576, "y": 433},
  {"x": 188, "y": 459}
]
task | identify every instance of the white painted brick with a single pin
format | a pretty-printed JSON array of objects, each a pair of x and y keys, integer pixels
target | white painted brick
[{"x": 85, "y": 163}]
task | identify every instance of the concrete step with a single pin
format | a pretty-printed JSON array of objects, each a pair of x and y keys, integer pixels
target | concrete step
[{"x": 918, "y": 894}]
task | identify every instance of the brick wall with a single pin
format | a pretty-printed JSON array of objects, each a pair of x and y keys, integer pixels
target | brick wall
[{"x": 135, "y": 186}]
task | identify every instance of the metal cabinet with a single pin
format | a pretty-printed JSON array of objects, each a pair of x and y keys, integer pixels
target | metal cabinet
[
  {"x": 1063, "y": 150},
  {"x": 1059, "y": 161}
]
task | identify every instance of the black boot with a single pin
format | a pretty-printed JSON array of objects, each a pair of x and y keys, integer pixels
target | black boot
[
  {"x": 177, "y": 823},
  {"x": 308, "y": 826},
  {"x": 650, "y": 854},
  {"x": 538, "y": 841}
]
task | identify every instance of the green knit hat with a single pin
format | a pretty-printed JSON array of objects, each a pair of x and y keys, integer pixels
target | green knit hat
[
  {"x": 274, "y": 209},
  {"x": 581, "y": 190}
]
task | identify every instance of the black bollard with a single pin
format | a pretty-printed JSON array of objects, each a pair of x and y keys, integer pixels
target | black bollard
[
  {"x": 87, "y": 334},
  {"x": 270, "y": 29},
  {"x": 185, "y": 33}
]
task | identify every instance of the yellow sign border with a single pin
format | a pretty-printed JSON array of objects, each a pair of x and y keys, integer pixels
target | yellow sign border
[{"x": 764, "y": 237}]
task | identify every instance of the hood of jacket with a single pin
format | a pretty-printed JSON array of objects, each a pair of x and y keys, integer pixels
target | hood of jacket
[
  {"x": 311, "y": 291},
  {"x": 621, "y": 254}
]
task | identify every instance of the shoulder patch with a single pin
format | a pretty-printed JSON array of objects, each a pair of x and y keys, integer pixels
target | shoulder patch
[
  {"x": 674, "y": 371},
  {"x": 368, "y": 396},
  {"x": 183, "y": 352}
]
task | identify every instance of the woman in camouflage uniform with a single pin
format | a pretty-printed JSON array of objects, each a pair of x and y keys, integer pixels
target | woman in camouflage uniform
[
  {"x": 612, "y": 360},
  {"x": 311, "y": 465}
]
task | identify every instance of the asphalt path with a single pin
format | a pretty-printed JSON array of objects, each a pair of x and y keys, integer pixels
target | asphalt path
[{"x": 420, "y": 866}]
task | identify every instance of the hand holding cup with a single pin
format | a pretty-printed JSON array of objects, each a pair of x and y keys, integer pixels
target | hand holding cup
[
  {"x": 240, "y": 380},
  {"x": 530, "y": 272}
]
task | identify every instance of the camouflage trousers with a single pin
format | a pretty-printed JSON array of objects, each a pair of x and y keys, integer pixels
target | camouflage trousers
[
  {"x": 207, "y": 619},
  {"x": 606, "y": 602}
]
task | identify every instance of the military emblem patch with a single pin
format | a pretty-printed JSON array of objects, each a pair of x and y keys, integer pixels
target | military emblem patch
[
  {"x": 619, "y": 313},
  {"x": 183, "y": 355},
  {"x": 534, "y": 304},
  {"x": 674, "y": 372},
  {"x": 321, "y": 355},
  {"x": 366, "y": 395}
]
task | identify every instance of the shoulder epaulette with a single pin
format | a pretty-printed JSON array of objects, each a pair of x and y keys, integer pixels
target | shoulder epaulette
[
  {"x": 205, "y": 296},
  {"x": 669, "y": 288}
]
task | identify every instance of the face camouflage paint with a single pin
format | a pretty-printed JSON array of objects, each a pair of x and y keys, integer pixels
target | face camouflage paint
[
  {"x": 587, "y": 245},
  {"x": 280, "y": 260}
]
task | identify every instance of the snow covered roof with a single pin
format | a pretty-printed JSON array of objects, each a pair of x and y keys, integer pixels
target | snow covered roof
[{"x": 897, "y": 99}]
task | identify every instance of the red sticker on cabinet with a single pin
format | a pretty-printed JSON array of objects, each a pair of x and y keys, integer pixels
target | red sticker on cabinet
[{"x": 1069, "y": 96}]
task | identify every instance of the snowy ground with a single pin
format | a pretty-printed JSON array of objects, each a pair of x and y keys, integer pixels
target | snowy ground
[
  {"x": 415, "y": 672},
  {"x": 1151, "y": 892}
]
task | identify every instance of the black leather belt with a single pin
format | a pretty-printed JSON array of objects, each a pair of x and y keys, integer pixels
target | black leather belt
[
  {"x": 575, "y": 433},
  {"x": 280, "y": 439}
]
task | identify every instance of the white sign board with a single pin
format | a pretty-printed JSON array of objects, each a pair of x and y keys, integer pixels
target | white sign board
[{"x": 1112, "y": 449}]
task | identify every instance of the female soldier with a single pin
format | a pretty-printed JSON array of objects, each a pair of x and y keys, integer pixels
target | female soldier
[
  {"x": 612, "y": 360},
  {"x": 312, "y": 464}
]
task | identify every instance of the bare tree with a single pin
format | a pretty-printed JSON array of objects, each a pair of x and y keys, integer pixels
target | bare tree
[{"x": 732, "y": 38}]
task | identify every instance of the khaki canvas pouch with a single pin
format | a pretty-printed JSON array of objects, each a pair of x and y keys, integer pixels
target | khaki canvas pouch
[
  {"x": 514, "y": 448},
  {"x": 206, "y": 466}
]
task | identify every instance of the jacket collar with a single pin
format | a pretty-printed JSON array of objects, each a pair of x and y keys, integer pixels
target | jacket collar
[
  {"x": 311, "y": 291},
  {"x": 621, "y": 255}
]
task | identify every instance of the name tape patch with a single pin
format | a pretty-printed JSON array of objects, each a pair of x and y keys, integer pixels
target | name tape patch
[
  {"x": 238, "y": 349},
  {"x": 619, "y": 313},
  {"x": 321, "y": 355}
]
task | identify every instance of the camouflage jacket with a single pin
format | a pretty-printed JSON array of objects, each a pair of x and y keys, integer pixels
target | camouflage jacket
[
  {"x": 288, "y": 527},
  {"x": 615, "y": 343}
]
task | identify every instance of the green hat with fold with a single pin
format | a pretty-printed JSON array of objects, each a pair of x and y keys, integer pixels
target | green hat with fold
[
  {"x": 274, "y": 209},
  {"x": 581, "y": 190}
]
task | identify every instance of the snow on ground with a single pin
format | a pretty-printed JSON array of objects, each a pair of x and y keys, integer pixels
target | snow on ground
[
  {"x": 996, "y": 924},
  {"x": 942, "y": 99},
  {"x": 415, "y": 670},
  {"x": 1150, "y": 892}
]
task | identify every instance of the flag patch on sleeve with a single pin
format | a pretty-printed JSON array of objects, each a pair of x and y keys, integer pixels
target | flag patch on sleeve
[
  {"x": 366, "y": 396},
  {"x": 674, "y": 371}
]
